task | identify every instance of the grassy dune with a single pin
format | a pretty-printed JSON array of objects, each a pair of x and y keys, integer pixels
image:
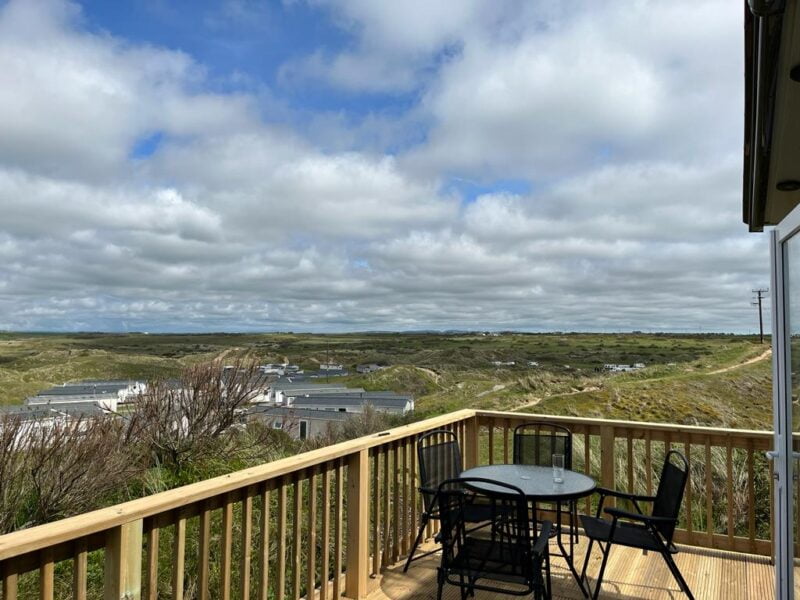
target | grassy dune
[
  {"x": 448, "y": 371},
  {"x": 740, "y": 398}
]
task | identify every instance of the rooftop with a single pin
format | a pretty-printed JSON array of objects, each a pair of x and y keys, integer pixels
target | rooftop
[
  {"x": 39, "y": 411},
  {"x": 86, "y": 388},
  {"x": 300, "y": 413},
  {"x": 379, "y": 400},
  {"x": 283, "y": 384}
]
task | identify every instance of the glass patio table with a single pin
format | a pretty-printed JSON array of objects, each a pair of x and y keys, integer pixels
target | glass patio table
[{"x": 538, "y": 486}]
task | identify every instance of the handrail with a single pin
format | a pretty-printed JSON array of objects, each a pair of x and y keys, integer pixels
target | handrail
[
  {"x": 641, "y": 425},
  {"x": 728, "y": 499},
  {"x": 50, "y": 534},
  {"x": 362, "y": 493}
]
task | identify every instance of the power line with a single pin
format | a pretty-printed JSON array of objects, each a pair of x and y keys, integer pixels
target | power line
[{"x": 759, "y": 295}]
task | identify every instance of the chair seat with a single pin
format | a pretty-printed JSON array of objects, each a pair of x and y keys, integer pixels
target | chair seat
[
  {"x": 485, "y": 559},
  {"x": 477, "y": 512},
  {"x": 625, "y": 534}
]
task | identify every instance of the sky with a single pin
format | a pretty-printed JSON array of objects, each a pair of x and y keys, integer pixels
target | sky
[{"x": 352, "y": 165}]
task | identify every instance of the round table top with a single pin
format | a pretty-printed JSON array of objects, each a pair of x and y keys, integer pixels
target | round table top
[{"x": 535, "y": 482}]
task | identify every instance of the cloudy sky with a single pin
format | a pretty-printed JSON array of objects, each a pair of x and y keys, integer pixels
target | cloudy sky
[{"x": 351, "y": 165}]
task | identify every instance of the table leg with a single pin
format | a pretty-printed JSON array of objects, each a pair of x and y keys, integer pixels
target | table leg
[
  {"x": 572, "y": 526},
  {"x": 568, "y": 556}
]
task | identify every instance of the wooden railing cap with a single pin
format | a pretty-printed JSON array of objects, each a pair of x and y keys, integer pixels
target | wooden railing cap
[
  {"x": 50, "y": 534},
  {"x": 77, "y": 527}
]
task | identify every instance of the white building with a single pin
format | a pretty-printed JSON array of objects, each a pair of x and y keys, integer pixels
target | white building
[
  {"x": 102, "y": 393},
  {"x": 278, "y": 391}
]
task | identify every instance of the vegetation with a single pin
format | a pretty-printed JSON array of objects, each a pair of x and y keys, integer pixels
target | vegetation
[
  {"x": 698, "y": 379},
  {"x": 174, "y": 435},
  {"x": 684, "y": 380}
]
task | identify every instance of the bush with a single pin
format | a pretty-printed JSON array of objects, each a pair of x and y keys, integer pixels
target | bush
[
  {"x": 52, "y": 469},
  {"x": 177, "y": 433},
  {"x": 185, "y": 422}
]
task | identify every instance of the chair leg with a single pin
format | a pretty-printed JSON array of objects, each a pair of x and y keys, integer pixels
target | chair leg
[
  {"x": 539, "y": 591},
  {"x": 676, "y": 573},
  {"x": 599, "y": 581},
  {"x": 586, "y": 561},
  {"x": 440, "y": 581},
  {"x": 417, "y": 541},
  {"x": 548, "y": 591}
]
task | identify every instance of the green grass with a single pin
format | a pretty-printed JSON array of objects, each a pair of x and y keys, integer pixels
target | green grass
[
  {"x": 445, "y": 372},
  {"x": 740, "y": 398}
]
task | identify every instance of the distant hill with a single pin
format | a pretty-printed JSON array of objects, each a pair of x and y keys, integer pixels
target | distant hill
[{"x": 684, "y": 380}]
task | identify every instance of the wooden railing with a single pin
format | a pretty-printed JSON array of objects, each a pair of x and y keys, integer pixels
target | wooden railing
[
  {"x": 326, "y": 523},
  {"x": 728, "y": 499}
]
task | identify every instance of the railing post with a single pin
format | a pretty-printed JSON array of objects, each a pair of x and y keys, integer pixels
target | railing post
[
  {"x": 357, "y": 524},
  {"x": 471, "y": 443},
  {"x": 10, "y": 582},
  {"x": 607, "y": 459},
  {"x": 123, "y": 570}
]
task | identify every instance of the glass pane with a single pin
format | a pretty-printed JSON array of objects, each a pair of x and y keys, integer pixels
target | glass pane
[{"x": 793, "y": 283}]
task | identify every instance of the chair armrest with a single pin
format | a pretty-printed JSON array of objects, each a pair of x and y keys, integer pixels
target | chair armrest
[
  {"x": 540, "y": 547},
  {"x": 634, "y": 498},
  {"x": 624, "y": 495},
  {"x": 618, "y": 513}
]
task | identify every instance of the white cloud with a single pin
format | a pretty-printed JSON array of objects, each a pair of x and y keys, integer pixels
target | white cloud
[
  {"x": 623, "y": 119},
  {"x": 396, "y": 42},
  {"x": 620, "y": 83}
]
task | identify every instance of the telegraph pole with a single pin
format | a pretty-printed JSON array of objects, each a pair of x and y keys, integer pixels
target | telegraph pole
[{"x": 759, "y": 295}]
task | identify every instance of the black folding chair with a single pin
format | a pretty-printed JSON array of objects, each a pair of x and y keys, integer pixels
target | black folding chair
[
  {"x": 637, "y": 530},
  {"x": 503, "y": 559},
  {"x": 439, "y": 457},
  {"x": 535, "y": 443}
]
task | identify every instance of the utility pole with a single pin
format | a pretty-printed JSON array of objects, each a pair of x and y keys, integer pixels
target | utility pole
[{"x": 759, "y": 295}]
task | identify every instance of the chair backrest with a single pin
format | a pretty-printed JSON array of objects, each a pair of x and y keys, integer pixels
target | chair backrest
[
  {"x": 510, "y": 553},
  {"x": 670, "y": 491},
  {"x": 536, "y": 442},
  {"x": 439, "y": 457}
]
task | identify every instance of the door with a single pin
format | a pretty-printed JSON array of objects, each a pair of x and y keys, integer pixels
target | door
[{"x": 785, "y": 250}]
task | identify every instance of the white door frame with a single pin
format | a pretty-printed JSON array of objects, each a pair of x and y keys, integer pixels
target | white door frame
[{"x": 782, "y": 467}]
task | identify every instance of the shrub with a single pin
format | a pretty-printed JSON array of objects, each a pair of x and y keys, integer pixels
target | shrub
[
  {"x": 51, "y": 468},
  {"x": 185, "y": 421}
]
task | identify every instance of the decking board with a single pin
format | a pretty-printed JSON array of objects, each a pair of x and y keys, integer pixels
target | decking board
[{"x": 630, "y": 574}]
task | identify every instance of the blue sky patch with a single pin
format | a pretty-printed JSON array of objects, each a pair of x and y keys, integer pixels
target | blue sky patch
[
  {"x": 147, "y": 146},
  {"x": 469, "y": 190}
]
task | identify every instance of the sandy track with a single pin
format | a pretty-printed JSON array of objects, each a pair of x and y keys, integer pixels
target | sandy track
[
  {"x": 496, "y": 388},
  {"x": 432, "y": 373},
  {"x": 591, "y": 388},
  {"x": 763, "y": 356}
]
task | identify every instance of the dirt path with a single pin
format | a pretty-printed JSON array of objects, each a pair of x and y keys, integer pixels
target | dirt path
[
  {"x": 432, "y": 373},
  {"x": 225, "y": 353},
  {"x": 763, "y": 356},
  {"x": 496, "y": 388},
  {"x": 533, "y": 402},
  {"x": 591, "y": 388}
]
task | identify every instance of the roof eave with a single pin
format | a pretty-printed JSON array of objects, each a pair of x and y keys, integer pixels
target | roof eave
[{"x": 762, "y": 32}]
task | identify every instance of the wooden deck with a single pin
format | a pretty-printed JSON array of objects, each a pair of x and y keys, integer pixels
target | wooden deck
[
  {"x": 630, "y": 574},
  {"x": 254, "y": 529}
]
